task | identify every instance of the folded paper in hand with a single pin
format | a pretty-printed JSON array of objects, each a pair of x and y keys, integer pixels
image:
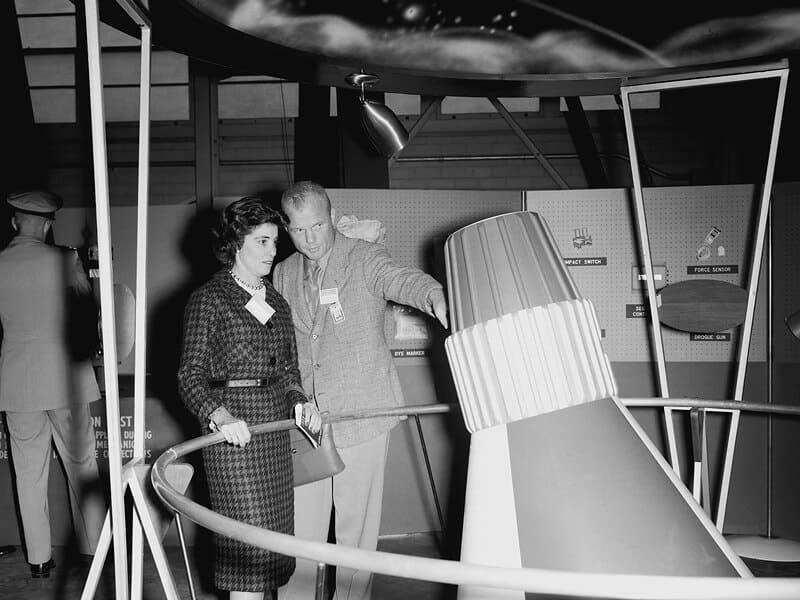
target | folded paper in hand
[{"x": 303, "y": 425}]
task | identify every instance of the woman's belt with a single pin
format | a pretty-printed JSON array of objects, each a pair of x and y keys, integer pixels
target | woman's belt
[{"x": 243, "y": 383}]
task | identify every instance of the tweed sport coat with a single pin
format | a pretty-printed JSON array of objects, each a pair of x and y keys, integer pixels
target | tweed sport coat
[
  {"x": 348, "y": 366},
  {"x": 41, "y": 367}
]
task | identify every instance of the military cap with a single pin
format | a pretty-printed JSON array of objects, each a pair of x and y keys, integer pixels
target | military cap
[{"x": 35, "y": 202}]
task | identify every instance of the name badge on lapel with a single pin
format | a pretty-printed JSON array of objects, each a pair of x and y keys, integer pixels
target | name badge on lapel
[
  {"x": 336, "y": 312},
  {"x": 329, "y": 296},
  {"x": 260, "y": 309}
]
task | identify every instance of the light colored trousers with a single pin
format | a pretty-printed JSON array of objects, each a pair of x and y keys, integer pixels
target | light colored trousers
[
  {"x": 30, "y": 434},
  {"x": 356, "y": 495}
]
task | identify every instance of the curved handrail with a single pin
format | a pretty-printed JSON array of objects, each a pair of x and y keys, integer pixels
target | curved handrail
[
  {"x": 539, "y": 581},
  {"x": 714, "y": 405}
]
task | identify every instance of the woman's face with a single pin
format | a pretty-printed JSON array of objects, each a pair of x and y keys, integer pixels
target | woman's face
[{"x": 258, "y": 250}]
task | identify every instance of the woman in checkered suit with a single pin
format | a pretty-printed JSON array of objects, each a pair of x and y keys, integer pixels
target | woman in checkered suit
[{"x": 239, "y": 366}]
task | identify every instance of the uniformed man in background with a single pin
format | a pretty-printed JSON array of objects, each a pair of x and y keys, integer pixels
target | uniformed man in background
[{"x": 46, "y": 376}]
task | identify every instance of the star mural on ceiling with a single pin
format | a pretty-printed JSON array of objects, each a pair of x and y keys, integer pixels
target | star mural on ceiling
[{"x": 516, "y": 36}]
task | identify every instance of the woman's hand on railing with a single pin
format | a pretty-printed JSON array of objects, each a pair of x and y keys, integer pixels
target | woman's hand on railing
[{"x": 234, "y": 429}]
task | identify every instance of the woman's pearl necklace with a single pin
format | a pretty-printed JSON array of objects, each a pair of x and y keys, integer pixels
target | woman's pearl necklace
[{"x": 238, "y": 280}]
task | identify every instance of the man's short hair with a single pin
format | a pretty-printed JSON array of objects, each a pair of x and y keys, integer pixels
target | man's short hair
[{"x": 297, "y": 195}]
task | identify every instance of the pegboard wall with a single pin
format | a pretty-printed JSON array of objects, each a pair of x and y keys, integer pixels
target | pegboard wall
[
  {"x": 418, "y": 221},
  {"x": 417, "y": 224},
  {"x": 690, "y": 229}
]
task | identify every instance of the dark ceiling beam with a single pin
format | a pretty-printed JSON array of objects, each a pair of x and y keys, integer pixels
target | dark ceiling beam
[
  {"x": 83, "y": 113},
  {"x": 361, "y": 166},
  {"x": 203, "y": 86},
  {"x": 581, "y": 133},
  {"x": 334, "y": 151},
  {"x": 22, "y": 165},
  {"x": 316, "y": 148},
  {"x": 529, "y": 143},
  {"x": 430, "y": 107}
]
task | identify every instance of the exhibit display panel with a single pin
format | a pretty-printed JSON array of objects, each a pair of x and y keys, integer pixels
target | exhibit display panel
[
  {"x": 697, "y": 233},
  {"x": 595, "y": 231}
]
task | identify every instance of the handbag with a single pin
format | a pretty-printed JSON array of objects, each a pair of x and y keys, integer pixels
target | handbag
[{"x": 310, "y": 463}]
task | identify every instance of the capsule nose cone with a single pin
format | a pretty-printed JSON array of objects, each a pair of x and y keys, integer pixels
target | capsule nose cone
[{"x": 502, "y": 265}]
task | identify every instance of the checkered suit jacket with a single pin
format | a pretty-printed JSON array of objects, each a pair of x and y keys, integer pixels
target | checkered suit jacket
[{"x": 348, "y": 366}]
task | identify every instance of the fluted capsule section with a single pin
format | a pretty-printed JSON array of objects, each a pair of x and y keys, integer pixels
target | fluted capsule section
[
  {"x": 524, "y": 342},
  {"x": 529, "y": 362},
  {"x": 502, "y": 265}
]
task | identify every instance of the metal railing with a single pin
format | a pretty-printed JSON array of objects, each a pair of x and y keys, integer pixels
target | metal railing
[{"x": 537, "y": 581}]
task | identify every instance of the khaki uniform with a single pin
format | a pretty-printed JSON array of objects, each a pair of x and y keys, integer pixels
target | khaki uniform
[{"x": 46, "y": 388}]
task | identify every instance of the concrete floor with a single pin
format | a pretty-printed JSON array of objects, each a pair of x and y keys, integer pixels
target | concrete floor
[{"x": 66, "y": 582}]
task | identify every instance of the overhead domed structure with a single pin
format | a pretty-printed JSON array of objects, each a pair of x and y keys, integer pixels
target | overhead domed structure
[{"x": 446, "y": 47}]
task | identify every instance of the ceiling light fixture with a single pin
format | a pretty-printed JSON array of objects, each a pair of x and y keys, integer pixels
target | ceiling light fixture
[{"x": 383, "y": 128}]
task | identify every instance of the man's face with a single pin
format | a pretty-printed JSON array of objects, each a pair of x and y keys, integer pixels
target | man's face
[{"x": 311, "y": 228}]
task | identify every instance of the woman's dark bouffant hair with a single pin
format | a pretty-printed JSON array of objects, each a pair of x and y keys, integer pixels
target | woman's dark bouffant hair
[{"x": 237, "y": 220}]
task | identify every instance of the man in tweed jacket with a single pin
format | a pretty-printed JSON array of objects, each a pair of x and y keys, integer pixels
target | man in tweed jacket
[{"x": 345, "y": 364}]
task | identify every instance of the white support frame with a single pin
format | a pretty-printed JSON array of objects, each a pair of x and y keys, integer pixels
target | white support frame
[
  {"x": 99, "y": 159},
  {"x": 644, "y": 240},
  {"x": 123, "y": 478},
  {"x": 140, "y": 338},
  {"x": 749, "y": 74}
]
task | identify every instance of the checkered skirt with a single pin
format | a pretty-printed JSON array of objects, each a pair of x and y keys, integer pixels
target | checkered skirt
[{"x": 252, "y": 485}]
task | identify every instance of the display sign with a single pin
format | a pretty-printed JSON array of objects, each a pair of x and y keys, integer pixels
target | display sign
[
  {"x": 163, "y": 434},
  {"x": 712, "y": 269},
  {"x": 410, "y": 353},
  {"x": 589, "y": 261},
  {"x": 710, "y": 337},
  {"x": 636, "y": 311},
  {"x": 638, "y": 277},
  {"x": 165, "y": 427}
]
